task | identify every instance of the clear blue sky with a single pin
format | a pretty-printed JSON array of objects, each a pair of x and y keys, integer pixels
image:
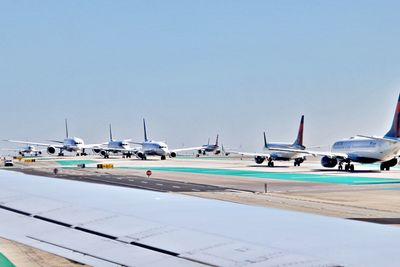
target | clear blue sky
[{"x": 198, "y": 68}]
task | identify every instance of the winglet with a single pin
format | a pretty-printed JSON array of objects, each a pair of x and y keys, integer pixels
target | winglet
[
  {"x": 66, "y": 128},
  {"x": 111, "y": 137},
  {"x": 394, "y": 131},
  {"x": 265, "y": 141},
  {"x": 299, "y": 139},
  {"x": 145, "y": 131}
]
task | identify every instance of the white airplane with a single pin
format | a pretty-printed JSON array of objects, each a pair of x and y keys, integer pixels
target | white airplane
[
  {"x": 70, "y": 144},
  {"x": 156, "y": 148},
  {"x": 26, "y": 150},
  {"x": 361, "y": 149},
  {"x": 116, "y": 146},
  {"x": 279, "y": 155}
]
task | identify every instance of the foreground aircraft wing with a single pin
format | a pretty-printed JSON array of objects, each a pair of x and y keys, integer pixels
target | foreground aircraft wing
[
  {"x": 102, "y": 225},
  {"x": 34, "y": 143}
]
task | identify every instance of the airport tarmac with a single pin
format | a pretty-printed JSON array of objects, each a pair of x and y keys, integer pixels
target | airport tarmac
[{"x": 366, "y": 194}]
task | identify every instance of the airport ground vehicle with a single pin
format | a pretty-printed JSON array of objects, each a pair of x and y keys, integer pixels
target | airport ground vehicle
[{"x": 8, "y": 163}]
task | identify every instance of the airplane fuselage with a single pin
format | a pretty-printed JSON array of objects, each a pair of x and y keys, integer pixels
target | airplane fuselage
[
  {"x": 210, "y": 148},
  {"x": 73, "y": 144},
  {"x": 365, "y": 150},
  {"x": 283, "y": 155},
  {"x": 154, "y": 148},
  {"x": 118, "y": 145}
]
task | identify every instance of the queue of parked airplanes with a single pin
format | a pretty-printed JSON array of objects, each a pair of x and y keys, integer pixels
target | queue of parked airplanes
[{"x": 361, "y": 148}]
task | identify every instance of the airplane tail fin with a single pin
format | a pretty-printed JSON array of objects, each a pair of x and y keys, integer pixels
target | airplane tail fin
[
  {"x": 265, "y": 141},
  {"x": 395, "y": 128},
  {"x": 145, "y": 130},
  {"x": 299, "y": 139},
  {"x": 216, "y": 140},
  {"x": 66, "y": 128},
  {"x": 111, "y": 137}
]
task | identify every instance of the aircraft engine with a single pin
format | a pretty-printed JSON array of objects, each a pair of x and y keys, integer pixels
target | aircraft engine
[
  {"x": 173, "y": 154},
  {"x": 103, "y": 153},
  {"x": 96, "y": 150},
  {"x": 391, "y": 163},
  {"x": 328, "y": 162},
  {"x": 259, "y": 159},
  {"x": 217, "y": 152},
  {"x": 200, "y": 151},
  {"x": 51, "y": 150},
  {"x": 140, "y": 154}
]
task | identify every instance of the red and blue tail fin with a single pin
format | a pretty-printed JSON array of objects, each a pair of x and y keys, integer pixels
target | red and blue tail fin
[
  {"x": 299, "y": 139},
  {"x": 394, "y": 131}
]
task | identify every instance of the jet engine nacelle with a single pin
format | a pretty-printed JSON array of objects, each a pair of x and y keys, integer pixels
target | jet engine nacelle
[
  {"x": 391, "y": 163},
  {"x": 96, "y": 150},
  {"x": 217, "y": 152},
  {"x": 51, "y": 150},
  {"x": 173, "y": 154},
  {"x": 328, "y": 162},
  {"x": 259, "y": 159}
]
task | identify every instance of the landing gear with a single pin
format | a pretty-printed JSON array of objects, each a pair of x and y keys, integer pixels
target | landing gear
[
  {"x": 163, "y": 157},
  {"x": 349, "y": 167},
  {"x": 385, "y": 167},
  {"x": 144, "y": 157},
  {"x": 297, "y": 162},
  {"x": 61, "y": 154},
  {"x": 340, "y": 167},
  {"x": 270, "y": 163}
]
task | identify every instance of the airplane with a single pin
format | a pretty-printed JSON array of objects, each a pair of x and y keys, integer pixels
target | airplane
[
  {"x": 272, "y": 156},
  {"x": 29, "y": 149},
  {"x": 361, "y": 149},
  {"x": 116, "y": 146},
  {"x": 214, "y": 148},
  {"x": 155, "y": 148},
  {"x": 70, "y": 144}
]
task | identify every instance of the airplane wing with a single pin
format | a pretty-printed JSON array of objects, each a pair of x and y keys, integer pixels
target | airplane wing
[
  {"x": 310, "y": 152},
  {"x": 380, "y": 138},
  {"x": 187, "y": 149},
  {"x": 34, "y": 143},
  {"x": 250, "y": 154},
  {"x": 122, "y": 150},
  {"x": 102, "y": 225}
]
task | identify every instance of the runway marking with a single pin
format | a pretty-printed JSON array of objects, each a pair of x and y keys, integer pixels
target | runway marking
[
  {"x": 119, "y": 178},
  {"x": 304, "y": 177},
  {"x": 197, "y": 190},
  {"x": 131, "y": 180},
  {"x": 175, "y": 186},
  {"x": 143, "y": 182},
  {"x": 160, "y": 184}
]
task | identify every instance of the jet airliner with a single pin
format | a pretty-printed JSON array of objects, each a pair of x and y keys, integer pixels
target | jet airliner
[
  {"x": 70, "y": 144},
  {"x": 279, "y": 155},
  {"x": 156, "y": 148},
  {"x": 361, "y": 149},
  {"x": 115, "y": 146}
]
